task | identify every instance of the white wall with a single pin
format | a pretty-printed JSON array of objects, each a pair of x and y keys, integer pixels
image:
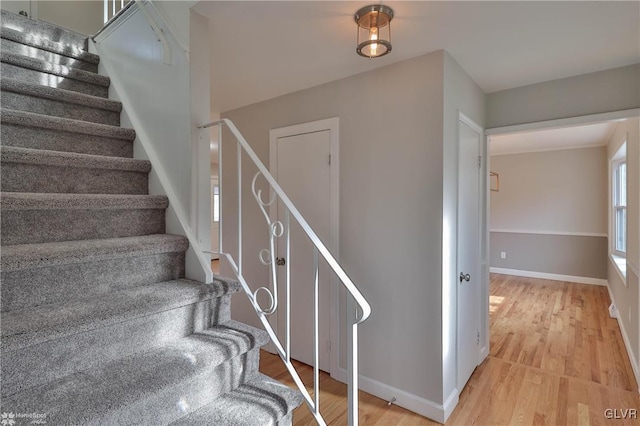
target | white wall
[
  {"x": 626, "y": 291},
  {"x": 164, "y": 103},
  {"x": 611, "y": 90}
]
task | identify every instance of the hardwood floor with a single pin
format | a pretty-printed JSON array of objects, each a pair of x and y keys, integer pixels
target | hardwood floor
[{"x": 556, "y": 359}]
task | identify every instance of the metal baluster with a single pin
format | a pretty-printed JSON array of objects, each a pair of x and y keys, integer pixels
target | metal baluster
[
  {"x": 113, "y": 7},
  {"x": 287, "y": 325},
  {"x": 316, "y": 382},
  {"x": 239, "y": 207},
  {"x": 106, "y": 11},
  {"x": 220, "y": 188},
  {"x": 352, "y": 363}
]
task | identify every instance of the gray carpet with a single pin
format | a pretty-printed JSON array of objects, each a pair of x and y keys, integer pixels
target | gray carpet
[{"x": 98, "y": 323}]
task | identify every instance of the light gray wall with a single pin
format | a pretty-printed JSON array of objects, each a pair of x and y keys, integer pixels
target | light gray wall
[
  {"x": 579, "y": 256},
  {"x": 605, "y": 91},
  {"x": 545, "y": 199},
  {"x": 391, "y": 167},
  {"x": 461, "y": 94},
  {"x": 85, "y": 17},
  {"x": 558, "y": 191},
  {"x": 626, "y": 292}
]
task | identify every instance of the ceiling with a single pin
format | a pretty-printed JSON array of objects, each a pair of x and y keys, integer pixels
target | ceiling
[
  {"x": 552, "y": 139},
  {"x": 264, "y": 49}
]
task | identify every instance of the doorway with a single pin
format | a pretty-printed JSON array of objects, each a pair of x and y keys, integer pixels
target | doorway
[{"x": 304, "y": 161}]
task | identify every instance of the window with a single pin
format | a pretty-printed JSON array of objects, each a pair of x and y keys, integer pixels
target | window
[
  {"x": 619, "y": 192},
  {"x": 618, "y": 215}
]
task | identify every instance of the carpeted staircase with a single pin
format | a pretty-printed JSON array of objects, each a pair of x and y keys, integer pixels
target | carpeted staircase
[{"x": 99, "y": 325}]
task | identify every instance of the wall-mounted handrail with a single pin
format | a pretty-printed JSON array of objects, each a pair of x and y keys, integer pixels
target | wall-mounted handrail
[{"x": 361, "y": 309}]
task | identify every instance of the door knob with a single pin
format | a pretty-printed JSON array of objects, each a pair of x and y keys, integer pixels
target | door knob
[
  {"x": 280, "y": 261},
  {"x": 464, "y": 277}
]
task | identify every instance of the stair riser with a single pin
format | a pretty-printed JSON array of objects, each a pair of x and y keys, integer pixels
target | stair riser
[
  {"x": 55, "y": 140},
  {"x": 30, "y": 366},
  {"x": 286, "y": 420},
  {"x": 155, "y": 408},
  {"x": 44, "y": 29},
  {"x": 22, "y": 102},
  {"x": 196, "y": 392},
  {"x": 33, "y": 52},
  {"x": 39, "y": 286},
  {"x": 42, "y": 226},
  {"x": 21, "y": 177},
  {"x": 36, "y": 77}
]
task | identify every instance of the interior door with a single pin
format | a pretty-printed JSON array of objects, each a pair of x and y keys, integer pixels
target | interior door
[
  {"x": 468, "y": 279},
  {"x": 303, "y": 171},
  {"x": 19, "y": 6},
  {"x": 215, "y": 216}
]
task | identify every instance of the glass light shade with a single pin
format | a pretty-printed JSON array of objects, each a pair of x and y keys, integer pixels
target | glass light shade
[{"x": 374, "y": 30}]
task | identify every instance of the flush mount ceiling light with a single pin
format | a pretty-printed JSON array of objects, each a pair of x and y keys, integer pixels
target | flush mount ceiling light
[{"x": 374, "y": 29}]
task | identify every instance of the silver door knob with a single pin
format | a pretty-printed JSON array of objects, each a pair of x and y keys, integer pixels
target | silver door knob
[
  {"x": 280, "y": 261},
  {"x": 464, "y": 277}
]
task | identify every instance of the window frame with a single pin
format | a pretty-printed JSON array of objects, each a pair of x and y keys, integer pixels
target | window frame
[{"x": 618, "y": 257}]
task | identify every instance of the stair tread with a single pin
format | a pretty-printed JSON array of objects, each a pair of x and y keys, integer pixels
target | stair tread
[
  {"x": 64, "y": 71},
  {"x": 31, "y": 326},
  {"x": 59, "y": 94},
  {"x": 90, "y": 395},
  {"x": 260, "y": 401},
  {"x": 31, "y": 119},
  {"x": 11, "y": 154},
  {"x": 25, "y": 256},
  {"x": 49, "y": 45},
  {"x": 55, "y": 201}
]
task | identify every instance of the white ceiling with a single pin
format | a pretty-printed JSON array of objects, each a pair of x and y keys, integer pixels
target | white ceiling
[
  {"x": 265, "y": 49},
  {"x": 552, "y": 139}
]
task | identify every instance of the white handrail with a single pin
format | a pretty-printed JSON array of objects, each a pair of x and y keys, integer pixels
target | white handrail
[{"x": 278, "y": 229}]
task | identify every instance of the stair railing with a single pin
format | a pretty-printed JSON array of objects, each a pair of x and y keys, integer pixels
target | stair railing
[{"x": 356, "y": 303}]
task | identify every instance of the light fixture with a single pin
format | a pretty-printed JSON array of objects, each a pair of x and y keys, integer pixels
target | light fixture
[{"x": 374, "y": 29}]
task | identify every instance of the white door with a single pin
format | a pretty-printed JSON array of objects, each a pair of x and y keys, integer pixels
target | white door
[
  {"x": 468, "y": 279},
  {"x": 20, "y": 6},
  {"x": 303, "y": 170},
  {"x": 215, "y": 216}
]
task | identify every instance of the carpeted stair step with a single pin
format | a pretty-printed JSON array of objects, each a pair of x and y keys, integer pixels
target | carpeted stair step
[
  {"x": 38, "y": 170},
  {"x": 37, "y": 71},
  {"x": 40, "y": 48},
  {"x": 155, "y": 387},
  {"x": 35, "y": 98},
  {"x": 38, "y": 274},
  {"x": 37, "y": 131},
  {"x": 29, "y": 218},
  {"x": 77, "y": 334},
  {"x": 259, "y": 402},
  {"x": 43, "y": 30}
]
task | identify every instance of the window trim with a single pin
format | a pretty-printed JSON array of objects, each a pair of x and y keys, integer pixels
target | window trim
[{"x": 617, "y": 257}]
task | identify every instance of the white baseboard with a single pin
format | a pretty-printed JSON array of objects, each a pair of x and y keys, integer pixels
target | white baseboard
[
  {"x": 627, "y": 344},
  {"x": 546, "y": 276},
  {"x": 404, "y": 399}
]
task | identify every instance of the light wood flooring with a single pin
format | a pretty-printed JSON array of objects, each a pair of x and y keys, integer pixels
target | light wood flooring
[{"x": 556, "y": 359}]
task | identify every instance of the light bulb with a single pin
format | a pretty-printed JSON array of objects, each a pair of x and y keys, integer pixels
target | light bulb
[{"x": 373, "y": 35}]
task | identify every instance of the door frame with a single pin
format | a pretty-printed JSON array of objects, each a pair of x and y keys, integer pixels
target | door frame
[
  {"x": 332, "y": 125},
  {"x": 482, "y": 271}
]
